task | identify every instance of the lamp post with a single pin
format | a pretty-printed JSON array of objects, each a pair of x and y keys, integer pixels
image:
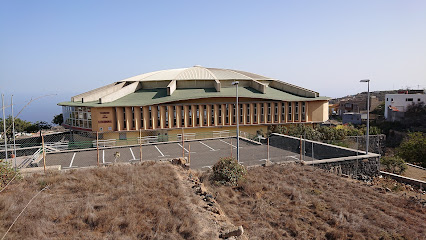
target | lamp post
[
  {"x": 368, "y": 114},
  {"x": 238, "y": 122}
]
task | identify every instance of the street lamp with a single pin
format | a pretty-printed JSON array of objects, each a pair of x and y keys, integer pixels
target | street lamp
[
  {"x": 368, "y": 114},
  {"x": 238, "y": 122}
]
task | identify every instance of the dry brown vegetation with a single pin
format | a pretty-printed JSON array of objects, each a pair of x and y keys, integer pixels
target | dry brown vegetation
[
  {"x": 157, "y": 201},
  {"x": 291, "y": 201},
  {"x": 123, "y": 202}
]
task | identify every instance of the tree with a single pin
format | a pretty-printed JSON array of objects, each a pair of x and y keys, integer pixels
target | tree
[
  {"x": 20, "y": 125},
  {"x": 37, "y": 126},
  {"x": 58, "y": 119},
  {"x": 413, "y": 148},
  {"x": 415, "y": 115}
]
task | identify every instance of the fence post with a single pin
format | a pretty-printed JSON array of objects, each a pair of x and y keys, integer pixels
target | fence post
[
  {"x": 231, "y": 145},
  {"x": 268, "y": 149},
  {"x": 44, "y": 151},
  {"x": 97, "y": 147},
  {"x": 300, "y": 158},
  {"x": 189, "y": 153},
  {"x": 312, "y": 152},
  {"x": 140, "y": 144},
  {"x": 183, "y": 145}
]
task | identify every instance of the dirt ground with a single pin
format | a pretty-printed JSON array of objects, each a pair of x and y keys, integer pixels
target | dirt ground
[
  {"x": 164, "y": 201},
  {"x": 415, "y": 173}
]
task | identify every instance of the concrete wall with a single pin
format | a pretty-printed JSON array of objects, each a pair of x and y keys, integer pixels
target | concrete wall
[
  {"x": 318, "y": 111},
  {"x": 361, "y": 167}
]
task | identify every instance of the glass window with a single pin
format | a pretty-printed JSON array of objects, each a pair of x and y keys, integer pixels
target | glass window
[
  {"x": 254, "y": 112},
  {"x": 283, "y": 112},
  {"x": 212, "y": 116},
  {"x": 262, "y": 113},
  {"x": 296, "y": 111},
  {"x": 303, "y": 111},
  {"x": 289, "y": 115},
  {"x": 276, "y": 112},
  {"x": 248, "y": 113}
]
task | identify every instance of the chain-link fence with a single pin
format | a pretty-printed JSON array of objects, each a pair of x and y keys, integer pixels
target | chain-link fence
[{"x": 203, "y": 149}]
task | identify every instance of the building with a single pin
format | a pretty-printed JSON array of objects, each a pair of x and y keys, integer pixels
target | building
[
  {"x": 195, "y": 98},
  {"x": 354, "y": 118},
  {"x": 357, "y": 104},
  {"x": 396, "y": 104}
]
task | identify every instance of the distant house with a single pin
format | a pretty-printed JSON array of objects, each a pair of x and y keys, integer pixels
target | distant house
[
  {"x": 354, "y": 118},
  {"x": 357, "y": 105},
  {"x": 396, "y": 104}
]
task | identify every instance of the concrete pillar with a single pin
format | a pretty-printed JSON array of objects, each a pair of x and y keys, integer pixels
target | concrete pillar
[
  {"x": 145, "y": 122},
  {"x": 216, "y": 114},
  {"x": 194, "y": 116},
  {"x": 186, "y": 108},
  {"x": 120, "y": 118},
  {"x": 172, "y": 116},
  {"x": 137, "y": 118},
  {"x": 178, "y": 116},
  {"x": 129, "y": 118},
  {"x": 231, "y": 114},
  {"x": 201, "y": 114},
  {"x": 162, "y": 117},
  {"x": 223, "y": 114},
  {"x": 279, "y": 111},
  {"x": 244, "y": 113},
  {"x": 209, "y": 115},
  {"x": 252, "y": 113}
]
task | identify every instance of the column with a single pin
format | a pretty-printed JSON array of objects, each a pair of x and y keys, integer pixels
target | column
[
  {"x": 162, "y": 116},
  {"x": 209, "y": 115},
  {"x": 178, "y": 116},
  {"x": 146, "y": 119},
  {"x": 154, "y": 116},
  {"x": 186, "y": 108},
  {"x": 216, "y": 114},
  {"x": 279, "y": 111},
  {"x": 137, "y": 118},
  {"x": 120, "y": 119},
  {"x": 252, "y": 113},
  {"x": 129, "y": 118},
  {"x": 201, "y": 112}
]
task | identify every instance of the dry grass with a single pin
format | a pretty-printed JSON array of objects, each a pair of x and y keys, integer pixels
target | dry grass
[
  {"x": 292, "y": 201},
  {"x": 125, "y": 202}
]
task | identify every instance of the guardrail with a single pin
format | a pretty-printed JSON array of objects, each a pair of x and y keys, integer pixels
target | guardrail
[{"x": 419, "y": 183}]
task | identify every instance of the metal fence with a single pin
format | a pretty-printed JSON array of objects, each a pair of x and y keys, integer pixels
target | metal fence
[{"x": 202, "y": 149}]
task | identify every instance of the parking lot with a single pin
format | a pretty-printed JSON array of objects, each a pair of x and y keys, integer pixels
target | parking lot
[{"x": 203, "y": 153}]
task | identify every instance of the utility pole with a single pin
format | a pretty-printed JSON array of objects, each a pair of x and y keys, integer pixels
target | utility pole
[{"x": 4, "y": 128}]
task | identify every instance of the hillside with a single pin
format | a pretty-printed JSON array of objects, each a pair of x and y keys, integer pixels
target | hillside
[{"x": 160, "y": 201}]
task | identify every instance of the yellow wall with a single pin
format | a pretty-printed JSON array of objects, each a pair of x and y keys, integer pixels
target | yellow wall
[
  {"x": 103, "y": 118},
  {"x": 318, "y": 111}
]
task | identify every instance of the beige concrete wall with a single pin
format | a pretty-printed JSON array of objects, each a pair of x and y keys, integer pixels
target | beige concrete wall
[
  {"x": 318, "y": 110},
  {"x": 103, "y": 118}
]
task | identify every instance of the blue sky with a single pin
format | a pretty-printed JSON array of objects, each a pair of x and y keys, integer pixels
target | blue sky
[{"x": 69, "y": 47}]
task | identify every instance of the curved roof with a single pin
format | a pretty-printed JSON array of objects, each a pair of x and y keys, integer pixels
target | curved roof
[
  {"x": 197, "y": 73},
  {"x": 190, "y": 83}
]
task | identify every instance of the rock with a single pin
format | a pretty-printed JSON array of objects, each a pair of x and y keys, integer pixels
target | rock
[
  {"x": 179, "y": 161},
  {"x": 233, "y": 233},
  {"x": 267, "y": 163}
]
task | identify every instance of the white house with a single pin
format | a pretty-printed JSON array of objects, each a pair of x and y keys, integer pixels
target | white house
[{"x": 396, "y": 104}]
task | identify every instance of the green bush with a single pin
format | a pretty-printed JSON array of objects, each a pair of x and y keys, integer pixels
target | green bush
[
  {"x": 413, "y": 148},
  {"x": 393, "y": 164},
  {"x": 6, "y": 173},
  {"x": 227, "y": 171}
]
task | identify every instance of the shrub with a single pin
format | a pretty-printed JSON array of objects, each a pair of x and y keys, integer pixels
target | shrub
[
  {"x": 6, "y": 173},
  {"x": 393, "y": 164},
  {"x": 227, "y": 171},
  {"x": 413, "y": 148}
]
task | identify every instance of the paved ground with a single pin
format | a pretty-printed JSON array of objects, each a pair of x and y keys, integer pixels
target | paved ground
[{"x": 203, "y": 154}]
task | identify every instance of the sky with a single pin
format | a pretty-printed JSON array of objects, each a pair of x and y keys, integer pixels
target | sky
[{"x": 58, "y": 49}]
